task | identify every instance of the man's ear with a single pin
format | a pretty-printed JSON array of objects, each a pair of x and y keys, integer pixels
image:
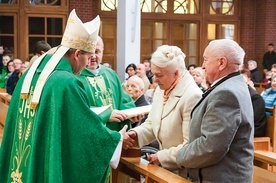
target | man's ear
[
  {"x": 76, "y": 54},
  {"x": 222, "y": 63}
]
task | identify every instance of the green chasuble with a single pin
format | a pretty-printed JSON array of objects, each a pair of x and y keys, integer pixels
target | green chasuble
[
  {"x": 62, "y": 140},
  {"x": 105, "y": 89}
]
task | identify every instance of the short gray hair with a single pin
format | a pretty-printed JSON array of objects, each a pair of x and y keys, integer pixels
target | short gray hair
[
  {"x": 253, "y": 62},
  {"x": 138, "y": 81},
  {"x": 170, "y": 57},
  {"x": 227, "y": 48}
]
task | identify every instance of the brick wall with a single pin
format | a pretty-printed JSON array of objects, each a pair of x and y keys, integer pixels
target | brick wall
[
  {"x": 247, "y": 28},
  {"x": 86, "y": 9},
  {"x": 258, "y": 28}
]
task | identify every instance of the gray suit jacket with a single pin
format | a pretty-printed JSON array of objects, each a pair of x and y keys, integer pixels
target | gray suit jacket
[{"x": 220, "y": 145}]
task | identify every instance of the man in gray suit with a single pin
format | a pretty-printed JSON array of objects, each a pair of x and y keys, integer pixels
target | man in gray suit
[{"x": 220, "y": 145}]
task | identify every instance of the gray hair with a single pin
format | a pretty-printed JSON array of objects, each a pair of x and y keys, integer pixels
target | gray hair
[
  {"x": 138, "y": 81},
  {"x": 170, "y": 57},
  {"x": 227, "y": 48},
  {"x": 253, "y": 62}
]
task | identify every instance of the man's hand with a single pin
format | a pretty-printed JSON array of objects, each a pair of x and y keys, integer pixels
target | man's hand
[
  {"x": 128, "y": 139},
  {"x": 123, "y": 130},
  {"x": 137, "y": 118},
  {"x": 153, "y": 159},
  {"x": 117, "y": 116}
]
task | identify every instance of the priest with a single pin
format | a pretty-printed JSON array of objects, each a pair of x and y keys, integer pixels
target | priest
[{"x": 51, "y": 135}]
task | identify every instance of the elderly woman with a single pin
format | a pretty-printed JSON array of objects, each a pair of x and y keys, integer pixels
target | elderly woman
[
  {"x": 173, "y": 101},
  {"x": 255, "y": 74}
]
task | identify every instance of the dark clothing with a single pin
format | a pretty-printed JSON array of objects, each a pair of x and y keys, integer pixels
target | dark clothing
[
  {"x": 149, "y": 75},
  {"x": 268, "y": 60},
  {"x": 268, "y": 85},
  {"x": 141, "y": 101},
  {"x": 203, "y": 89},
  {"x": 12, "y": 81},
  {"x": 255, "y": 76},
  {"x": 259, "y": 113}
]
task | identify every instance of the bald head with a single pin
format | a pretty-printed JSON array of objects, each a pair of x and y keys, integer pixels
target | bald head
[
  {"x": 141, "y": 70},
  {"x": 97, "y": 57},
  {"x": 135, "y": 87}
]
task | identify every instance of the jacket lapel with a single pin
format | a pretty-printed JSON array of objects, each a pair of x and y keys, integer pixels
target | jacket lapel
[{"x": 175, "y": 95}]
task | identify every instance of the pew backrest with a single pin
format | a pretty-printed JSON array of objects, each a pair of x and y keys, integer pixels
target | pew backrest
[
  {"x": 271, "y": 128},
  {"x": 3, "y": 113}
]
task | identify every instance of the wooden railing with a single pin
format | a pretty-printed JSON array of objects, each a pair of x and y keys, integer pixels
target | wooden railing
[{"x": 133, "y": 165}]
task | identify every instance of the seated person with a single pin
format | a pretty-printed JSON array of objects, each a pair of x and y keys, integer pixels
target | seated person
[
  {"x": 135, "y": 88},
  {"x": 255, "y": 74},
  {"x": 199, "y": 77},
  {"x": 13, "y": 79},
  {"x": 269, "y": 75},
  {"x": 150, "y": 92},
  {"x": 269, "y": 95},
  {"x": 3, "y": 71},
  {"x": 258, "y": 106},
  {"x": 247, "y": 76},
  {"x": 191, "y": 67}
]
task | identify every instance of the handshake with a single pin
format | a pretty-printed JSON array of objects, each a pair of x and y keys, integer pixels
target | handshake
[
  {"x": 128, "y": 138},
  {"x": 128, "y": 143}
]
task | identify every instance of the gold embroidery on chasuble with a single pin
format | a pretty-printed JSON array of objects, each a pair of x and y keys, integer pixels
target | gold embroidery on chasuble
[
  {"x": 100, "y": 91},
  {"x": 22, "y": 139}
]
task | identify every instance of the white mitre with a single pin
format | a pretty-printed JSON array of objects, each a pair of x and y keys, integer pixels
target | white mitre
[
  {"x": 77, "y": 35},
  {"x": 81, "y": 36}
]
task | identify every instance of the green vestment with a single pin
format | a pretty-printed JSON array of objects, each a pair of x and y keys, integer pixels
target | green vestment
[
  {"x": 61, "y": 140},
  {"x": 105, "y": 89}
]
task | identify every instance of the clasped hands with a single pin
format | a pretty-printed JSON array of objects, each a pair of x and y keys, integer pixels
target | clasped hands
[{"x": 128, "y": 143}]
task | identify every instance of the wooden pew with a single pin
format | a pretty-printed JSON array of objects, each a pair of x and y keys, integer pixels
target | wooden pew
[
  {"x": 3, "y": 90},
  {"x": 260, "y": 143},
  {"x": 3, "y": 113},
  {"x": 271, "y": 128},
  {"x": 261, "y": 175},
  {"x": 267, "y": 143},
  {"x": 5, "y": 98},
  {"x": 260, "y": 87},
  {"x": 133, "y": 165},
  {"x": 265, "y": 156}
]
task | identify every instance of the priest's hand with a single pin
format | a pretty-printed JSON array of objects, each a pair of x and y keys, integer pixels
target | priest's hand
[
  {"x": 123, "y": 130},
  {"x": 153, "y": 159},
  {"x": 128, "y": 139},
  {"x": 117, "y": 116},
  {"x": 136, "y": 118}
]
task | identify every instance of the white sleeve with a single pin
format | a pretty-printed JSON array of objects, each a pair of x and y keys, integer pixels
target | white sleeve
[{"x": 114, "y": 162}]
